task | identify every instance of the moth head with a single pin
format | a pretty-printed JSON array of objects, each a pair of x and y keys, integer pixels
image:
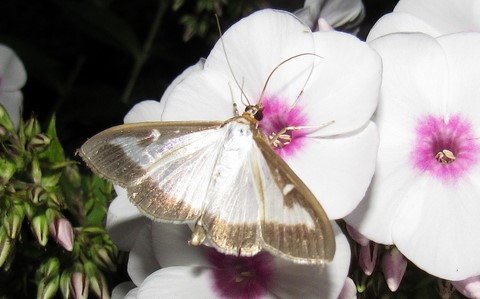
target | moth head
[{"x": 254, "y": 111}]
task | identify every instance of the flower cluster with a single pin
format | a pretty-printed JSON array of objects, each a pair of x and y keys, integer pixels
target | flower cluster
[
  {"x": 301, "y": 93},
  {"x": 385, "y": 134}
]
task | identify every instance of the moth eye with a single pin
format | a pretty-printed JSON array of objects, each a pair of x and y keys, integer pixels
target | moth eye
[{"x": 259, "y": 115}]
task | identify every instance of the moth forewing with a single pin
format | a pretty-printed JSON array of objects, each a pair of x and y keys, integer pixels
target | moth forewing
[
  {"x": 153, "y": 161},
  {"x": 294, "y": 224}
]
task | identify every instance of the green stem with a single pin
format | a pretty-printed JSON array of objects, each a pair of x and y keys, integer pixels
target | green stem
[{"x": 142, "y": 58}]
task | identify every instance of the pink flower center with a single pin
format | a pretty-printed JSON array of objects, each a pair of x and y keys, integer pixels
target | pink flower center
[
  {"x": 446, "y": 149},
  {"x": 241, "y": 277},
  {"x": 279, "y": 120}
]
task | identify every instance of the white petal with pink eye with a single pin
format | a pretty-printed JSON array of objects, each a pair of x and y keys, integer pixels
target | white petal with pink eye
[
  {"x": 329, "y": 164},
  {"x": 120, "y": 291},
  {"x": 203, "y": 95},
  {"x": 141, "y": 260},
  {"x": 348, "y": 99},
  {"x": 178, "y": 282},
  {"x": 433, "y": 228},
  {"x": 149, "y": 110},
  {"x": 463, "y": 54},
  {"x": 272, "y": 37},
  {"x": 170, "y": 245},
  {"x": 309, "y": 281},
  {"x": 124, "y": 221},
  {"x": 12, "y": 71},
  {"x": 400, "y": 22}
]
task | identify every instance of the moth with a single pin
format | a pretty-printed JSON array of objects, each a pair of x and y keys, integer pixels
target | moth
[{"x": 223, "y": 176}]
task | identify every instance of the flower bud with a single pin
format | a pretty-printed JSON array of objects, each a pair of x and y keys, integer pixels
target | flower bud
[
  {"x": 65, "y": 287},
  {"x": 39, "y": 142},
  {"x": 368, "y": 257},
  {"x": 394, "y": 265},
  {"x": 7, "y": 170},
  {"x": 98, "y": 282},
  {"x": 99, "y": 286},
  {"x": 40, "y": 229},
  {"x": 50, "y": 268},
  {"x": 48, "y": 287},
  {"x": 36, "y": 171},
  {"x": 357, "y": 236},
  {"x": 32, "y": 127},
  {"x": 61, "y": 230},
  {"x": 4, "y": 134},
  {"x": 37, "y": 194},
  {"x": 12, "y": 221},
  {"x": 6, "y": 247},
  {"x": 5, "y": 120},
  {"x": 469, "y": 287},
  {"x": 102, "y": 257},
  {"x": 55, "y": 199},
  {"x": 80, "y": 285}
]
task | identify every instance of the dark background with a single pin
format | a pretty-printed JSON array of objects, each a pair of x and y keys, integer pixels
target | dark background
[{"x": 79, "y": 55}]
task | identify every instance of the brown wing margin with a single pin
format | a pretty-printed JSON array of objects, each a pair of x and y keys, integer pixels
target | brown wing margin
[{"x": 300, "y": 243}]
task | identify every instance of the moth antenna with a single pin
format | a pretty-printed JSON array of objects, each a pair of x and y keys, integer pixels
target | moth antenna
[
  {"x": 282, "y": 63},
  {"x": 235, "y": 108},
  {"x": 228, "y": 60}
]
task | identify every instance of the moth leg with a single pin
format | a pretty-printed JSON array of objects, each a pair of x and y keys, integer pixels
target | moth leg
[
  {"x": 283, "y": 137},
  {"x": 198, "y": 234}
]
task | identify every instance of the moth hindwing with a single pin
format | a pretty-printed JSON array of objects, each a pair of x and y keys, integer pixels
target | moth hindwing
[{"x": 224, "y": 176}]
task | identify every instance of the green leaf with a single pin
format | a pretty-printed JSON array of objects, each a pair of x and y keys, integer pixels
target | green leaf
[
  {"x": 102, "y": 25},
  {"x": 54, "y": 152}
]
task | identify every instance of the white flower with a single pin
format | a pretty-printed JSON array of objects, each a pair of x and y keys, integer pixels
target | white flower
[
  {"x": 425, "y": 193},
  {"x": 202, "y": 272},
  {"x": 12, "y": 79},
  {"x": 342, "y": 87},
  {"x": 344, "y": 15},
  {"x": 433, "y": 17}
]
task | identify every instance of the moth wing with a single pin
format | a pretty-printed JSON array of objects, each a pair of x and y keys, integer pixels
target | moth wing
[
  {"x": 161, "y": 164},
  {"x": 293, "y": 223},
  {"x": 231, "y": 216}
]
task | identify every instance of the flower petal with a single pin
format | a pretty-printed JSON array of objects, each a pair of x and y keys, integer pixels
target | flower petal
[
  {"x": 141, "y": 260},
  {"x": 414, "y": 77},
  {"x": 12, "y": 71},
  {"x": 446, "y": 16},
  {"x": 309, "y": 281},
  {"x": 349, "y": 290},
  {"x": 124, "y": 221},
  {"x": 400, "y": 22},
  {"x": 345, "y": 84},
  {"x": 327, "y": 165},
  {"x": 149, "y": 110},
  {"x": 433, "y": 227},
  {"x": 120, "y": 291},
  {"x": 463, "y": 53},
  {"x": 203, "y": 95},
  {"x": 178, "y": 282},
  {"x": 256, "y": 45},
  {"x": 170, "y": 244}
]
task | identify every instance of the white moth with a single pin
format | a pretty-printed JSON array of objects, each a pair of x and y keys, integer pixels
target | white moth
[{"x": 224, "y": 176}]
